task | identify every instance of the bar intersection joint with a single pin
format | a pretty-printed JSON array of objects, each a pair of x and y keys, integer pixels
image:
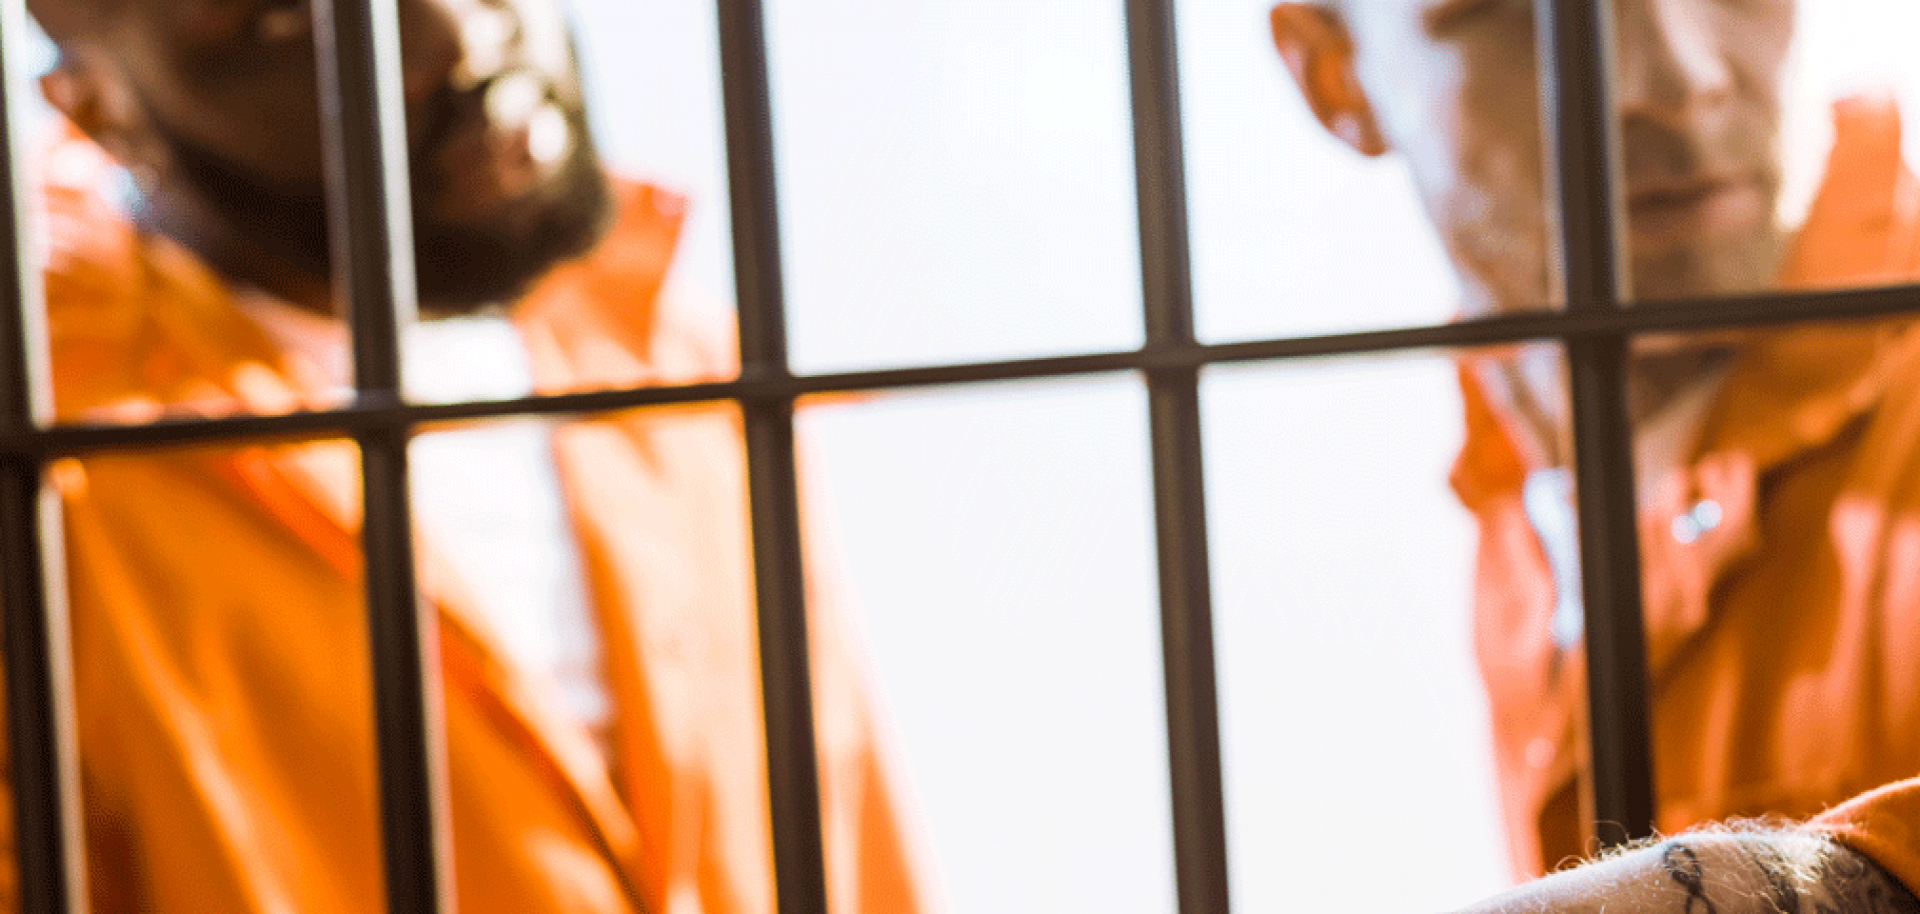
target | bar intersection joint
[
  {"x": 358, "y": 47},
  {"x": 42, "y": 748},
  {"x": 1576, "y": 42},
  {"x": 1186, "y": 599},
  {"x": 786, "y": 679}
]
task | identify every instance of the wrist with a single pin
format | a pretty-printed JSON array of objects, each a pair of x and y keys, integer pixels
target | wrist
[
  {"x": 1782, "y": 871},
  {"x": 1735, "y": 873}
]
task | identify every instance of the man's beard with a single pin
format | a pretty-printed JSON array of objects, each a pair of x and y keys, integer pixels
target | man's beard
[
  {"x": 1745, "y": 145},
  {"x": 460, "y": 268}
]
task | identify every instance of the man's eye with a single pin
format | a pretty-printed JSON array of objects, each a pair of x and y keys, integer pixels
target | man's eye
[{"x": 282, "y": 21}]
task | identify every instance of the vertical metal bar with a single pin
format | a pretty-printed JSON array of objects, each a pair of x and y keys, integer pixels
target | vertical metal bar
[
  {"x": 779, "y": 573},
  {"x": 1186, "y": 598},
  {"x": 41, "y": 742},
  {"x": 358, "y": 44},
  {"x": 24, "y": 382},
  {"x": 40, "y": 739},
  {"x": 1576, "y": 51}
]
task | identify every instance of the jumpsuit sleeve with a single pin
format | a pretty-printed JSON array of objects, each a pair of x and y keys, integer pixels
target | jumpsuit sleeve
[{"x": 1884, "y": 825}]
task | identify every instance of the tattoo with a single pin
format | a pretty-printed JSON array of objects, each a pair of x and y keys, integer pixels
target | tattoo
[
  {"x": 1852, "y": 884},
  {"x": 1683, "y": 866},
  {"x": 1783, "y": 885},
  {"x": 1876, "y": 893}
]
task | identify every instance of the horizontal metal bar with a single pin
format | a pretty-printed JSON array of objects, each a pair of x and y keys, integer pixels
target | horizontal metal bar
[{"x": 380, "y": 412}]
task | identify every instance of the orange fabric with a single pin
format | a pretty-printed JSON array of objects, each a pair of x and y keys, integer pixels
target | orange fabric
[
  {"x": 1784, "y": 643},
  {"x": 224, "y": 698},
  {"x": 1884, "y": 825}
]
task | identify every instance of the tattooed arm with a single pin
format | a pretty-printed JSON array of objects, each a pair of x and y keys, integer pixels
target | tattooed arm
[{"x": 1781, "y": 872}]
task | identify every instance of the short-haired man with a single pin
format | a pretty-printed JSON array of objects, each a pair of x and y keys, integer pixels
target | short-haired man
[
  {"x": 601, "y": 692},
  {"x": 1777, "y": 468}
]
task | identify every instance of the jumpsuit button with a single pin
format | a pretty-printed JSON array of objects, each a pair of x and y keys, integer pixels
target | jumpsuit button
[{"x": 1697, "y": 522}]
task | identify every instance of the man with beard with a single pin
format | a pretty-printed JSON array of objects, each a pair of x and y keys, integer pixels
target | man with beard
[
  {"x": 1776, "y": 467},
  {"x": 601, "y": 694}
]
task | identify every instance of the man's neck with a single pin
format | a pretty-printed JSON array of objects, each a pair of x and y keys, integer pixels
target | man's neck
[
  {"x": 1655, "y": 380},
  {"x": 246, "y": 258}
]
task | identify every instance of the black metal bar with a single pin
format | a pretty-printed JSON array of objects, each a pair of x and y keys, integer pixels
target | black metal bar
[
  {"x": 370, "y": 217},
  {"x": 785, "y": 670},
  {"x": 40, "y": 738},
  {"x": 403, "y": 641},
  {"x": 370, "y": 220},
  {"x": 1160, "y": 171},
  {"x": 26, "y": 400},
  {"x": 1576, "y": 41},
  {"x": 786, "y": 678},
  {"x": 1173, "y": 397},
  {"x": 760, "y": 278},
  {"x": 1186, "y": 625},
  {"x": 41, "y": 751},
  {"x": 1838, "y": 306}
]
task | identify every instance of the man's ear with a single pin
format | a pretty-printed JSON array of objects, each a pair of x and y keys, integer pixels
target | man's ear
[
  {"x": 94, "y": 95},
  {"x": 1319, "y": 52}
]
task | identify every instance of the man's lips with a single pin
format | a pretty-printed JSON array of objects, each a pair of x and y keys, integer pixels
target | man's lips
[{"x": 1664, "y": 212}]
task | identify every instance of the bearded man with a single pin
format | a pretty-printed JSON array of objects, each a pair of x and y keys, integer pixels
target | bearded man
[
  {"x": 1777, "y": 470},
  {"x": 601, "y": 689}
]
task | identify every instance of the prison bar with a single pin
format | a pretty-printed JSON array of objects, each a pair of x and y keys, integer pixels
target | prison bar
[
  {"x": 1649, "y": 317},
  {"x": 43, "y": 780},
  {"x": 786, "y": 680},
  {"x": 1575, "y": 49},
  {"x": 1179, "y": 487},
  {"x": 357, "y": 43},
  {"x": 41, "y": 745}
]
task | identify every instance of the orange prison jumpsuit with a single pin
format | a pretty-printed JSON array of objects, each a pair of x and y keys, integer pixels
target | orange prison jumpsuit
[
  {"x": 1783, "y": 643},
  {"x": 223, "y": 689}
]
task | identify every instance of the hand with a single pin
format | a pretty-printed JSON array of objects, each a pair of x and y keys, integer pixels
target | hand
[{"x": 1777, "y": 872}]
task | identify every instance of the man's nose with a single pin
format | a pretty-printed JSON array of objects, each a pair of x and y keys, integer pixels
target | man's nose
[
  {"x": 1672, "y": 64},
  {"x": 452, "y": 41}
]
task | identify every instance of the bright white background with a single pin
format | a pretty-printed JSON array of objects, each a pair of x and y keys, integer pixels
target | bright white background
[{"x": 956, "y": 185}]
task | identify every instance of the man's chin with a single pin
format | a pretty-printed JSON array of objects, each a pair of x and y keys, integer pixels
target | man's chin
[
  {"x": 1707, "y": 269},
  {"x": 467, "y": 267}
]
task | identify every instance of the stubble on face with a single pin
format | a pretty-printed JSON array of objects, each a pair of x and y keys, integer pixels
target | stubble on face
[
  {"x": 461, "y": 266},
  {"x": 1455, "y": 83},
  {"x": 1729, "y": 176}
]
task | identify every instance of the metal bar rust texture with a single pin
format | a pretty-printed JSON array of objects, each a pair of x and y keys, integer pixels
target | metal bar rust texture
[
  {"x": 1576, "y": 41},
  {"x": 793, "y": 777},
  {"x": 1186, "y": 598},
  {"x": 358, "y": 48}
]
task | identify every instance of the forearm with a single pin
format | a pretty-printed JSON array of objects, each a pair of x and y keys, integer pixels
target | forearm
[{"x": 1780, "y": 872}]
